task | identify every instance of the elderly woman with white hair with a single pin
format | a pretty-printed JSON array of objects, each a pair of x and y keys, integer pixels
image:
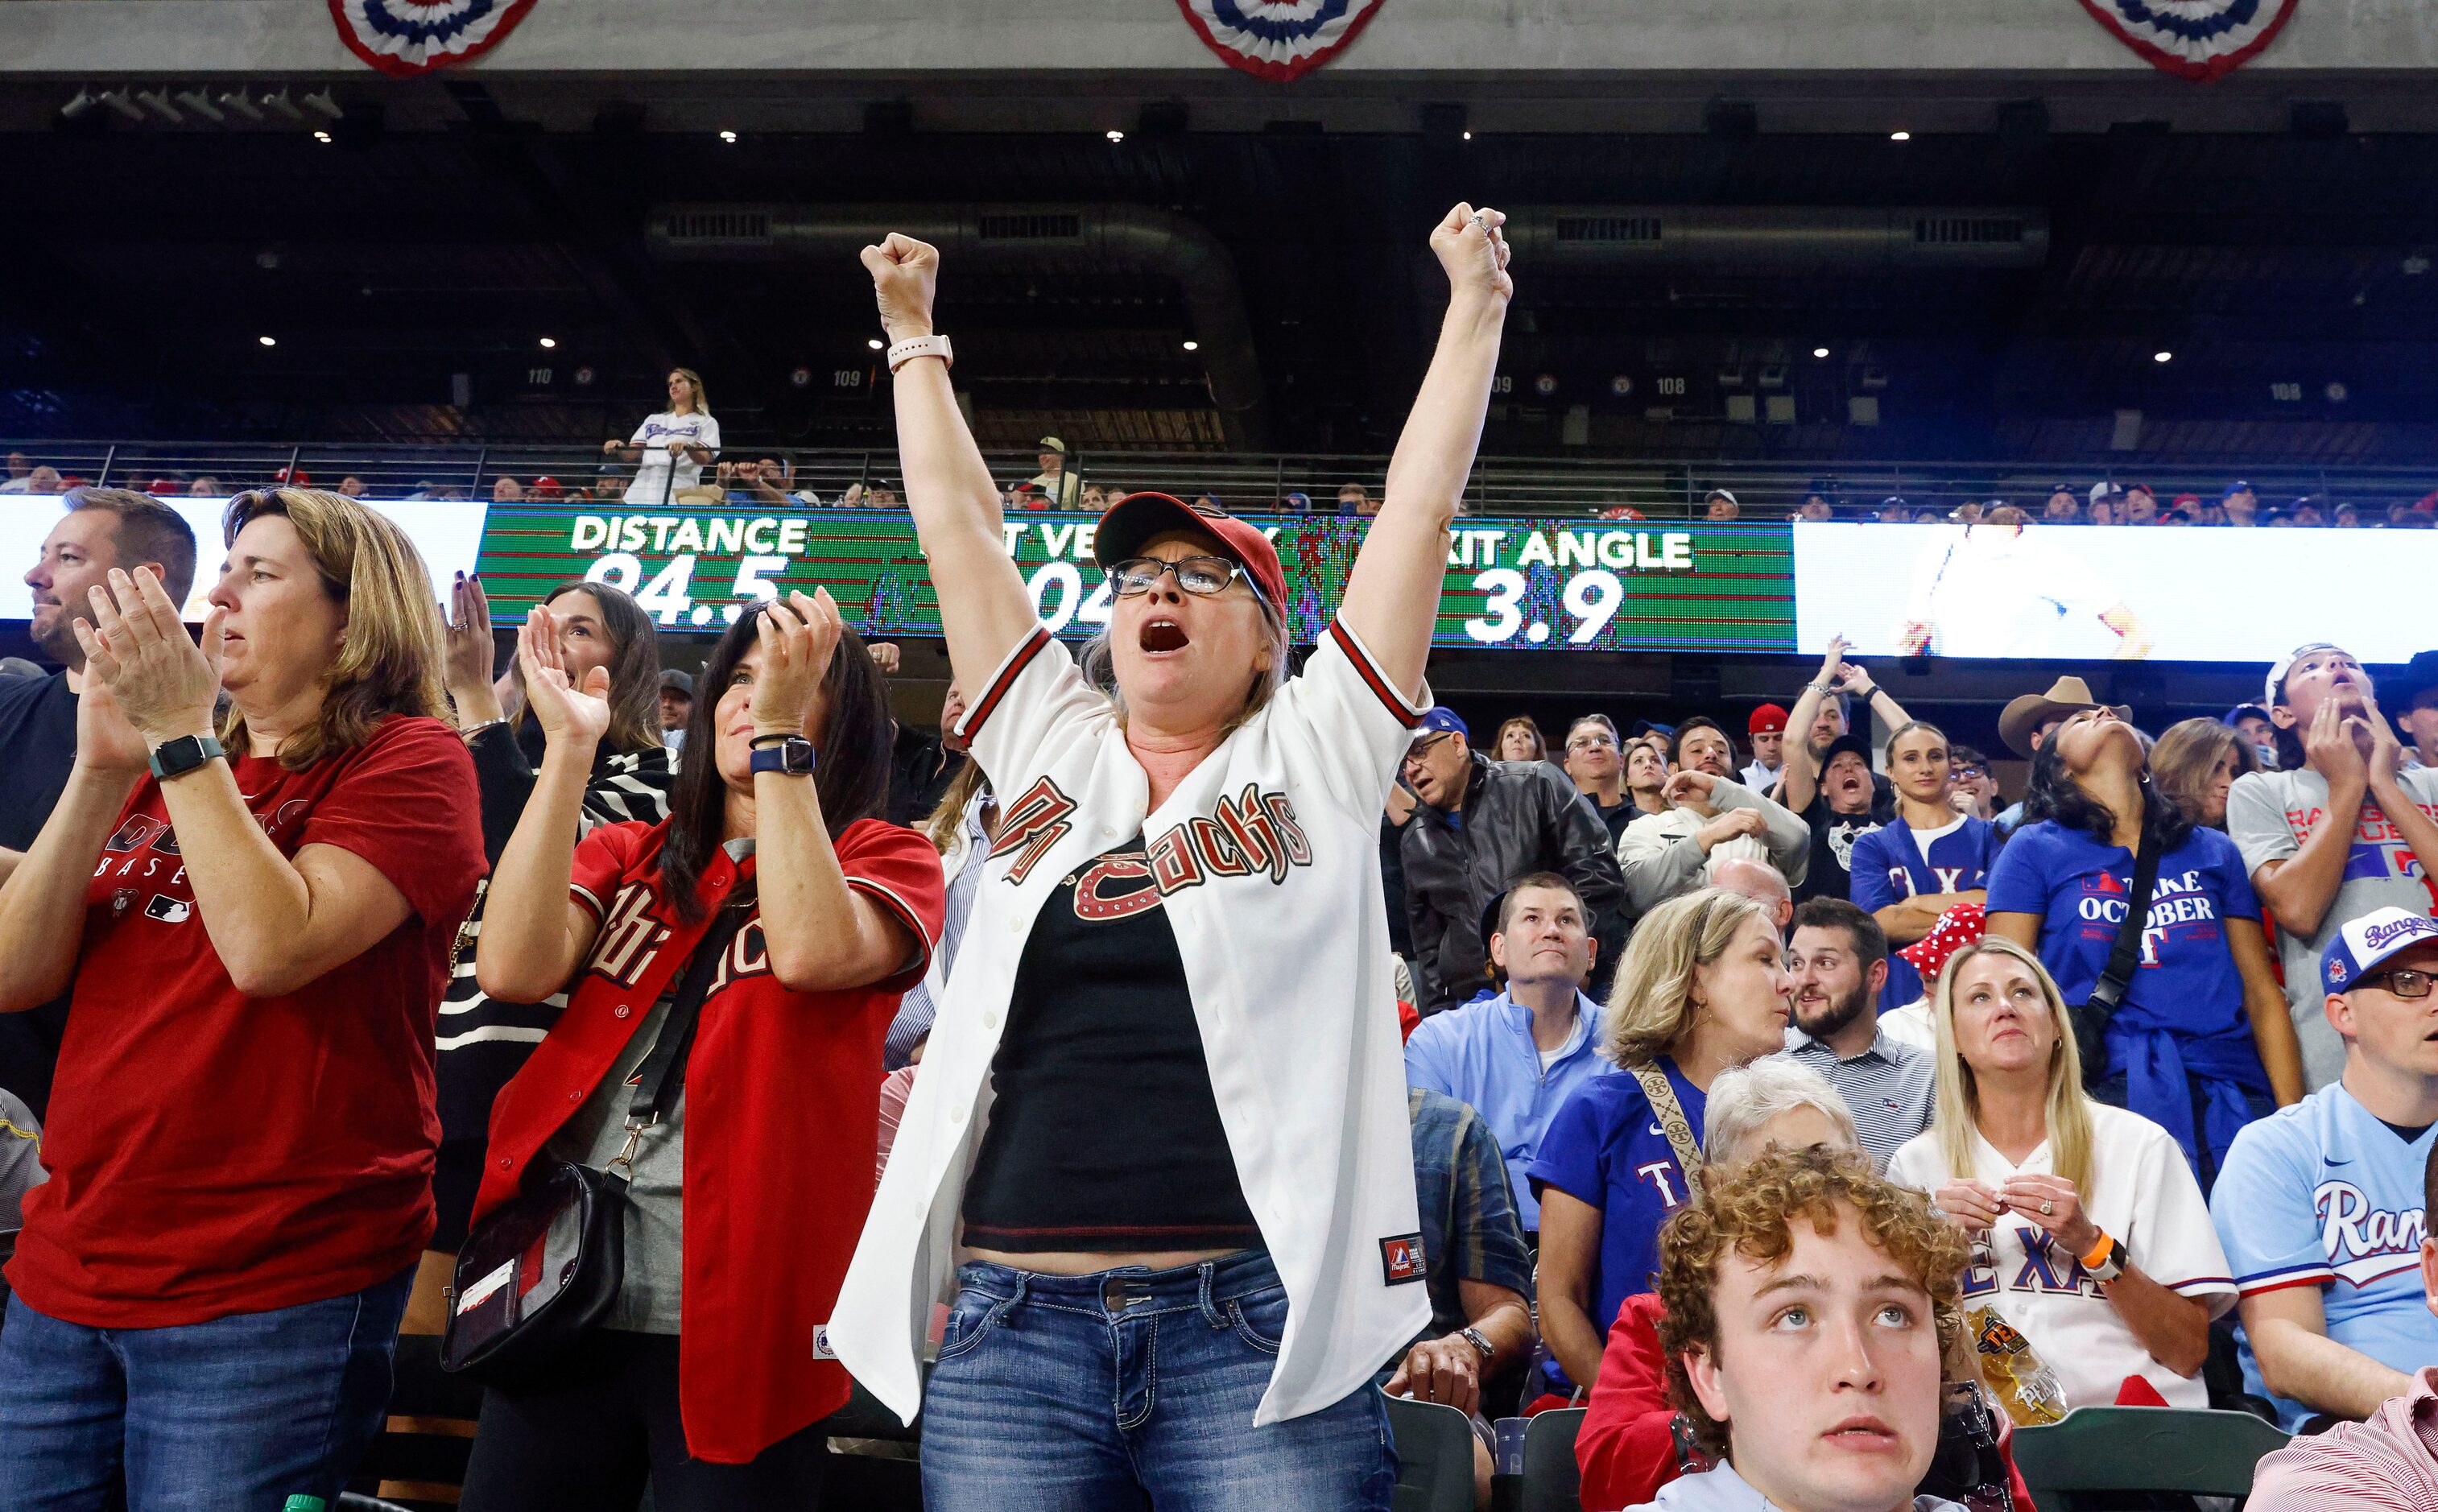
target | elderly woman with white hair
[
  {"x": 1627, "y": 1445},
  {"x": 1158, "y": 1155}
]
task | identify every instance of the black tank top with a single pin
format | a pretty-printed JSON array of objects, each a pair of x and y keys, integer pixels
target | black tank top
[{"x": 1104, "y": 1135}]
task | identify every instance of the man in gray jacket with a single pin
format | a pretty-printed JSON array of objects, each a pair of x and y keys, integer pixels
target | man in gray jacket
[
  {"x": 1716, "y": 819},
  {"x": 1481, "y": 825}
]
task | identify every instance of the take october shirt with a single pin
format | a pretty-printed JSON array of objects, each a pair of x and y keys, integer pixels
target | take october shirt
[{"x": 213, "y": 1153}]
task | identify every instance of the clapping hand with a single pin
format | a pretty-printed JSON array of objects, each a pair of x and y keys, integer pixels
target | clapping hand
[
  {"x": 799, "y": 636},
  {"x": 138, "y": 648},
  {"x": 904, "y": 276},
  {"x": 571, "y": 714},
  {"x": 1474, "y": 251}
]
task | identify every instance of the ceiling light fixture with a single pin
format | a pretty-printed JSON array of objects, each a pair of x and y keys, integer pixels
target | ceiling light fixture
[
  {"x": 1820, "y": 351},
  {"x": 1114, "y": 135},
  {"x": 1193, "y": 345},
  {"x": 323, "y": 137},
  {"x": 548, "y": 342},
  {"x": 1468, "y": 136},
  {"x": 729, "y": 137},
  {"x": 2163, "y": 356},
  {"x": 874, "y": 342},
  {"x": 1900, "y": 136},
  {"x": 268, "y": 341}
]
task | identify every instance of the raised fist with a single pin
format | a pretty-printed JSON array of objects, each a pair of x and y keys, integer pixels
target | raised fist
[
  {"x": 905, "y": 274},
  {"x": 1471, "y": 247}
]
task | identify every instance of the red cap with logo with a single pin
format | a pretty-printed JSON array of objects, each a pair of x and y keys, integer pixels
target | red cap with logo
[
  {"x": 1138, "y": 517},
  {"x": 1769, "y": 719}
]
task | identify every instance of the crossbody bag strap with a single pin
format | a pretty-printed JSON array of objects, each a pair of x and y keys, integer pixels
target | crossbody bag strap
[
  {"x": 2116, "y": 978},
  {"x": 1673, "y": 1123},
  {"x": 661, "y": 1077}
]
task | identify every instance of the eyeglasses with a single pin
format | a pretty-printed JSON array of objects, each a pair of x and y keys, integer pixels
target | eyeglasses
[
  {"x": 1201, "y": 576},
  {"x": 2403, "y": 981},
  {"x": 1590, "y": 743},
  {"x": 1426, "y": 745}
]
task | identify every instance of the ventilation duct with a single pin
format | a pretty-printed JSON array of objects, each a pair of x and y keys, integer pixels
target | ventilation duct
[
  {"x": 1006, "y": 238},
  {"x": 1780, "y": 238}
]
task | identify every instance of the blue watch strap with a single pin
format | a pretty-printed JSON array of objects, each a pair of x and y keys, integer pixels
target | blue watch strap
[{"x": 793, "y": 757}]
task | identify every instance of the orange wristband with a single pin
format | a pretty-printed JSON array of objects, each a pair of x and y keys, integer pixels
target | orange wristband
[{"x": 2098, "y": 1251}]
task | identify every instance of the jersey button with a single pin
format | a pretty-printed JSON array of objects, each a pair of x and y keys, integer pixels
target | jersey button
[
  {"x": 575, "y": 1094},
  {"x": 622, "y": 1010},
  {"x": 505, "y": 1162}
]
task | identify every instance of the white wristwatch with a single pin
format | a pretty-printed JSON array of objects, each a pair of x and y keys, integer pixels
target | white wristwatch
[{"x": 908, "y": 350}]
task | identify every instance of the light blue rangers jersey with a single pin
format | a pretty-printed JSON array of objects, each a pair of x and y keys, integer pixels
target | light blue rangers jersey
[{"x": 2323, "y": 1194}]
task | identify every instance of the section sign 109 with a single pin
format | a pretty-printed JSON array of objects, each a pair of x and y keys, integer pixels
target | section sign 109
[{"x": 1521, "y": 583}]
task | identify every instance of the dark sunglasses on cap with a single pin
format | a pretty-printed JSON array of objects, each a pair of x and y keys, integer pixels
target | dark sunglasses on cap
[{"x": 1201, "y": 576}]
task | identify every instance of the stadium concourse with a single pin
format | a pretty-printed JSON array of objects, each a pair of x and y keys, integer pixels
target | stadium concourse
[{"x": 1346, "y": 759}]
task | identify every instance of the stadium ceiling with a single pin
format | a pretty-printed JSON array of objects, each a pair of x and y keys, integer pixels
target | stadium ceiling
[{"x": 419, "y": 257}]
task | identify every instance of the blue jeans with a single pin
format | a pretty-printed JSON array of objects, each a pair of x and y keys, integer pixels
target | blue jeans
[
  {"x": 1132, "y": 1388},
  {"x": 235, "y": 1414}
]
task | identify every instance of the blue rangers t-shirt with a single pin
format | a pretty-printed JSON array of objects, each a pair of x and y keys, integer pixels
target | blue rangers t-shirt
[
  {"x": 1900, "y": 862},
  {"x": 2184, "y": 980},
  {"x": 1605, "y": 1147},
  {"x": 2323, "y": 1194}
]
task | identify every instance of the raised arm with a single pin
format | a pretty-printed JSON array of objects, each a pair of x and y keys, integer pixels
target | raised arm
[
  {"x": 1392, "y": 597},
  {"x": 535, "y": 935},
  {"x": 42, "y": 903},
  {"x": 985, "y": 610},
  {"x": 1799, "y": 777},
  {"x": 823, "y": 935}
]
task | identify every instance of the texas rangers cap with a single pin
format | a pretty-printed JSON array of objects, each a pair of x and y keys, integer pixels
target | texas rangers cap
[
  {"x": 1769, "y": 719},
  {"x": 2275, "y": 686},
  {"x": 1441, "y": 720},
  {"x": 1138, "y": 517},
  {"x": 2363, "y": 942}
]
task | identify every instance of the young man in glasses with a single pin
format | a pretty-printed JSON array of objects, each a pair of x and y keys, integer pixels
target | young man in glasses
[{"x": 2320, "y": 1208}]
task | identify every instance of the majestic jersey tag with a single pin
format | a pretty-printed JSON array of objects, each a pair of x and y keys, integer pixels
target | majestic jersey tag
[{"x": 1401, "y": 1259}]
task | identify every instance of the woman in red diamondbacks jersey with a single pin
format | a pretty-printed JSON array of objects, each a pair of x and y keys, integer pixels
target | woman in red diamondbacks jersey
[
  {"x": 746, "y": 1194},
  {"x": 1161, "y": 1119},
  {"x": 240, "y": 1141}
]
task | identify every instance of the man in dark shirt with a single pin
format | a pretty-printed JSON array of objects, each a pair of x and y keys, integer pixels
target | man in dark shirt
[
  {"x": 1595, "y": 760},
  {"x": 1481, "y": 824},
  {"x": 103, "y": 528}
]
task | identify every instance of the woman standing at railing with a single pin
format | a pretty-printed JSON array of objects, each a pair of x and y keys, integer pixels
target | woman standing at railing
[{"x": 670, "y": 449}]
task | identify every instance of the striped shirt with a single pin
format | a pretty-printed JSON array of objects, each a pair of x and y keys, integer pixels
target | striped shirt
[
  {"x": 1888, "y": 1089},
  {"x": 2387, "y": 1464},
  {"x": 1469, "y": 1231}
]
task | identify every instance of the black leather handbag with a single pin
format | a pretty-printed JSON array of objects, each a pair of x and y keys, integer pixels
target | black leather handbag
[
  {"x": 542, "y": 1270},
  {"x": 2090, "y": 1018}
]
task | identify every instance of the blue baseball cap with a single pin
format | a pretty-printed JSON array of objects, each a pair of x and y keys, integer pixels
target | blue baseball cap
[
  {"x": 2238, "y": 486},
  {"x": 2363, "y": 942},
  {"x": 2243, "y": 712},
  {"x": 1442, "y": 720}
]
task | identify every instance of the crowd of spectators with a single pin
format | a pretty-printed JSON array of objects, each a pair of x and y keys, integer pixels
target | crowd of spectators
[{"x": 1798, "y": 1109}]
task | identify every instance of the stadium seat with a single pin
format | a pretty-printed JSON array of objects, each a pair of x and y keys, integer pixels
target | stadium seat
[
  {"x": 1552, "y": 1480},
  {"x": 2096, "y": 1450},
  {"x": 1434, "y": 1456},
  {"x": 422, "y": 1452}
]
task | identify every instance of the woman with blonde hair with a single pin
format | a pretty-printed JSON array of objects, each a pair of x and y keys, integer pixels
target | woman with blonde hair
[
  {"x": 669, "y": 449},
  {"x": 2195, "y": 764},
  {"x": 255, "y": 914},
  {"x": 2096, "y": 1244},
  {"x": 1703, "y": 987}
]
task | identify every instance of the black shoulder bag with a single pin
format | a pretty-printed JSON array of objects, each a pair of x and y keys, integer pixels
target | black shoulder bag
[
  {"x": 2091, "y": 1016},
  {"x": 544, "y": 1269}
]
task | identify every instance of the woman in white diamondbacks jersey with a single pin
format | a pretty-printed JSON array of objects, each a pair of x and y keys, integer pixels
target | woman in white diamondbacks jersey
[
  {"x": 670, "y": 449},
  {"x": 2095, "y": 1243},
  {"x": 1160, "y": 1128}
]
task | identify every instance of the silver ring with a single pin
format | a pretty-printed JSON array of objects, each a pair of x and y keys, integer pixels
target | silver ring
[
  {"x": 1481, "y": 220},
  {"x": 2047, "y": 1207}
]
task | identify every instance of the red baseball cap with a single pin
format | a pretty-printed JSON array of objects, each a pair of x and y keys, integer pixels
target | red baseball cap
[
  {"x": 1769, "y": 719},
  {"x": 1138, "y": 517}
]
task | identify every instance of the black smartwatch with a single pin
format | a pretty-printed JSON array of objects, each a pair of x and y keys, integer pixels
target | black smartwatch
[
  {"x": 176, "y": 758},
  {"x": 791, "y": 757}
]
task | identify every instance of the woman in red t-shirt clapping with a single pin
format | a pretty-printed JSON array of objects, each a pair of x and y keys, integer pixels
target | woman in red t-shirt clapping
[{"x": 257, "y": 929}]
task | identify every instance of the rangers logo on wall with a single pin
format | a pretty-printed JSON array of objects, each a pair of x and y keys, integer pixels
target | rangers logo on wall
[
  {"x": 2199, "y": 40},
  {"x": 404, "y": 38},
  {"x": 1278, "y": 40}
]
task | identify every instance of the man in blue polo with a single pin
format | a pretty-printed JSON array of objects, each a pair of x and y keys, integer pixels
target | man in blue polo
[{"x": 1516, "y": 1058}]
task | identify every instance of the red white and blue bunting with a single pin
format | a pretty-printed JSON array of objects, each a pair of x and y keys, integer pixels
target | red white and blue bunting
[
  {"x": 1278, "y": 40},
  {"x": 2201, "y": 40},
  {"x": 404, "y": 38}
]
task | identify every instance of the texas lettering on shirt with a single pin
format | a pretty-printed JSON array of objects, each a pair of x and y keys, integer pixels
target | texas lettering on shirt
[
  {"x": 2180, "y": 908},
  {"x": 2049, "y": 1268},
  {"x": 2379, "y": 851}
]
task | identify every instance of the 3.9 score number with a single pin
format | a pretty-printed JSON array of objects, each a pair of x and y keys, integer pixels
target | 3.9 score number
[{"x": 1592, "y": 596}]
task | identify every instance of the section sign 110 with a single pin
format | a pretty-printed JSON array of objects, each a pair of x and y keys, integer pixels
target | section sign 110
[{"x": 1511, "y": 584}]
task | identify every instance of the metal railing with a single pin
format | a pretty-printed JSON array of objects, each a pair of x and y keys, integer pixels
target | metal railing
[{"x": 1658, "y": 490}]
